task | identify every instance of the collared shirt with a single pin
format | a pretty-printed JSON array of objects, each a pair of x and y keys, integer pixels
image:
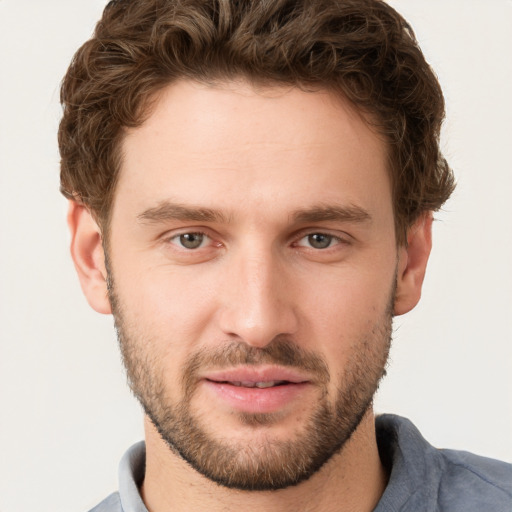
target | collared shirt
[{"x": 422, "y": 478}]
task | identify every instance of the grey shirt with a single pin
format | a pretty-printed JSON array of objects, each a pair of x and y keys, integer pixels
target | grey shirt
[{"x": 422, "y": 478}]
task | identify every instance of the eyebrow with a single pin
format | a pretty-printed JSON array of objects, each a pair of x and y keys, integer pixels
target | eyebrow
[
  {"x": 167, "y": 210},
  {"x": 322, "y": 213}
]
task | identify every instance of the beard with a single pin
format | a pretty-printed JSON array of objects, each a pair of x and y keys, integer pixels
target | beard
[{"x": 262, "y": 463}]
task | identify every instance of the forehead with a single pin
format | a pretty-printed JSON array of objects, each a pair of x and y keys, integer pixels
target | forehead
[{"x": 233, "y": 146}]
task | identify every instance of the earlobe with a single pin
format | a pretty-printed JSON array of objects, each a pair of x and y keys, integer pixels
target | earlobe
[
  {"x": 88, "y": 256},
  {"x": 412, "y": 264}
]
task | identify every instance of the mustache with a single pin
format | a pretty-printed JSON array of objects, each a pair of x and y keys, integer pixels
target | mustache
[{"x": 280, "y": 351}]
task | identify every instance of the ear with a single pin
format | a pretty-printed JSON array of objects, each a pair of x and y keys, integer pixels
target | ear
[
  {"x": 88, "y": 256},
  {"x": 412, "y": 264}
]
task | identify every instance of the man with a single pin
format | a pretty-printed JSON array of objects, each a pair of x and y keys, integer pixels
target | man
[{"x": 251, "y": 191}]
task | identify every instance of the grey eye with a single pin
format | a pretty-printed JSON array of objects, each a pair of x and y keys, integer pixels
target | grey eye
[
  {"x": 319, "y": 240},
  {"x": 191, "y": 240}
]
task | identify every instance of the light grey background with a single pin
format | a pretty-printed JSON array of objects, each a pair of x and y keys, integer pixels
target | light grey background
[{"x": 66, "y": 415}]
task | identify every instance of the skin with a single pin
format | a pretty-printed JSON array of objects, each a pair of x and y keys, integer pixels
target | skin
[{"x": 256, "y": 158}]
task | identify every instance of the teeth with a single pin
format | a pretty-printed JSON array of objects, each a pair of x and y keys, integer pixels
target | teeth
[
  {"x": 260, "y": 385},
  {"x": 263, "y": 385}
]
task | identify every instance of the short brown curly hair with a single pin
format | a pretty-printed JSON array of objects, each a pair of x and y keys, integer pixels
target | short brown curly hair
[{"x": 361, "y": 49}]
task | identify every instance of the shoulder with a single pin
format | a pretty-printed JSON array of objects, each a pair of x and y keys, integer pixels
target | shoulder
[
  {"x": 110, "y": 504},
  {"x": 425, "y": 478},
  {"x": 131, "y": 474},
  {"x": 477, "y": 482}
]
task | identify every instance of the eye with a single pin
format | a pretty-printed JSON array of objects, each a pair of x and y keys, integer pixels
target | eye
[
  {"x": 190, "y": 240},
  {"x": 319, "y": 241}
]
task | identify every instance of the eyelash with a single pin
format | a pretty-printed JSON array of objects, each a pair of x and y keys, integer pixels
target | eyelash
[
  {"x": 331, "y": 238},
  {"x": 205, "y": 237},
  {"x": 194, "y": 233}
]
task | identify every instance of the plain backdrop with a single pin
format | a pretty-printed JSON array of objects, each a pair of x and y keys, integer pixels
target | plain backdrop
[{"x": 66, "y": 415}]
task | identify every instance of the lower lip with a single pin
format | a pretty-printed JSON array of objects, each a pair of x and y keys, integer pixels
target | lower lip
[{"x": 257, "y": 400}]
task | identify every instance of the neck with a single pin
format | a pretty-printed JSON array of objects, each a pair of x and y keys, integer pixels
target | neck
[{"x": 353, "y": 479}]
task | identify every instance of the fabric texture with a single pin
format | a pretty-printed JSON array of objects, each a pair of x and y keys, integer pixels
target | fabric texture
[{"x": 422, "y": 478}]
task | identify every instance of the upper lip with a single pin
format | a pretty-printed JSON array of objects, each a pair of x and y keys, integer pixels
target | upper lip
[{"x": 256, "y": 374}]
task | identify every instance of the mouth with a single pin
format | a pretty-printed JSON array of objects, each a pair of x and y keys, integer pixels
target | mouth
[
  {"x": 252, "y": 384},
  {"x": 260, "y": 377},
  {"x": 256, "y": 389}
]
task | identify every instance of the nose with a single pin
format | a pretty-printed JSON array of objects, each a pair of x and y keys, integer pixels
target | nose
[{"x": 258, "y": 302}]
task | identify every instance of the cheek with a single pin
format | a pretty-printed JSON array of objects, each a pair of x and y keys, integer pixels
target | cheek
[
  {"x": 171, "y": 308},
  {"x": 344, "y": 311}
]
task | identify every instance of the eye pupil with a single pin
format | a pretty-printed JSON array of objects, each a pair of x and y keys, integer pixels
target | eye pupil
[
  {"x": 191, "y": 240},
  {"x": 319, "y": 241}
]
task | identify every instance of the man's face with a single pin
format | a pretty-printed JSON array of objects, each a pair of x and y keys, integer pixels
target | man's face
[{"x": 252, "y": 263}]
